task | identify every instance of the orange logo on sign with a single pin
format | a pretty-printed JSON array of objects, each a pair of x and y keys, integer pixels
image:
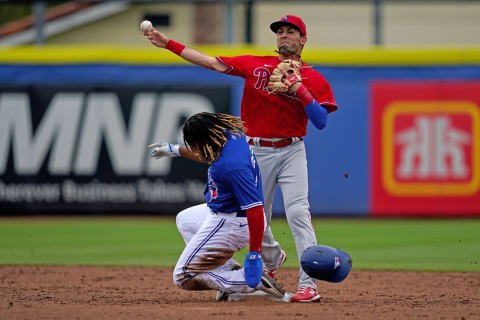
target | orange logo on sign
[{"x": 431, "y": 148}]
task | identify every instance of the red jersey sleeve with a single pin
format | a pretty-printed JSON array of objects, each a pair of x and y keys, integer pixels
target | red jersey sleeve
[
  {"x": 321, "y": 90},
  {"x": 237, "y": 66}
]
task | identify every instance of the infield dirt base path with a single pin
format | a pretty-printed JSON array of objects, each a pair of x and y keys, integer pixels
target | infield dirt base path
[{"x": 38, "y": 292}]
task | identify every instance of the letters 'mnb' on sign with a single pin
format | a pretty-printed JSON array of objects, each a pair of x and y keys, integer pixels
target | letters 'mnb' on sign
[
  {"x": 431, "y": 148},
  {"x": 74, "y": 125}
]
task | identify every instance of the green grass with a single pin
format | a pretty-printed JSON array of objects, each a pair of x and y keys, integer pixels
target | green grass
[
  {"x": 439, "y": 245},
  {"x": 90, "y": 241}
]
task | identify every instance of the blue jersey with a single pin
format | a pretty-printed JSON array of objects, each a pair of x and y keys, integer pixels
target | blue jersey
[{"x": 234, "y": 182}]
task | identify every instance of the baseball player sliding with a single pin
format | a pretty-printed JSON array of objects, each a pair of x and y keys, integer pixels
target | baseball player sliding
[
  {"x": 281, "y": 94},
  {"x": 233, "y": 214}
]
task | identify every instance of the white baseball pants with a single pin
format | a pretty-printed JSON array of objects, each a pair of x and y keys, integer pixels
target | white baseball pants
[
  {"x": 211, "y": 240},
  {"x": 286, "y": 167}
]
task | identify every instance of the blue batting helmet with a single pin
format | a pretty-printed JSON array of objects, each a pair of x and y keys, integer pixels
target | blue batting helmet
[{"x": 326, "y": 263}]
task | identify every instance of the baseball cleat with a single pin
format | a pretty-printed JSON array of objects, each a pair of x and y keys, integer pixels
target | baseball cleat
[
  {"x": 272, "y": 273},
  {"x": 305, "y": 294},
  {"x": 222, "y": 296},
  {"x": 270, "y": 286}
]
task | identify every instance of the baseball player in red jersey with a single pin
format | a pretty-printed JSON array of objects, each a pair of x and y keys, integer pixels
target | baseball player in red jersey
[{"x": 276, "y": 122}]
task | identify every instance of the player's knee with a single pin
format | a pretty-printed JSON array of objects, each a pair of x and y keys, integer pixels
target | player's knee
[
  {"x": 196, "y": 283},
  {"x": 297, "y": 204},
  {"x": 178, "y": 277},
  {"x": 176, "y": 281},
  {"x": 181, "y": 220},
  {"x": 180, "y": 284},
  {"x": 297, "y": 210}
]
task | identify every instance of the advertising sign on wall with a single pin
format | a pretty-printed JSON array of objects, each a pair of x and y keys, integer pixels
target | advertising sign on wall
[
  {"x": 84, "y": 148},
  {"x": 426, "y": 148}
]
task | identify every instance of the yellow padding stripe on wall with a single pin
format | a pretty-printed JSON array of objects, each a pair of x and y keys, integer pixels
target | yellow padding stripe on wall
[{"x": 374, "y": 56}]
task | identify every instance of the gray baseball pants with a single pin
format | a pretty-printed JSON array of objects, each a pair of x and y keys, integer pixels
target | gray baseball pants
[{"x": 286, "y": 167}]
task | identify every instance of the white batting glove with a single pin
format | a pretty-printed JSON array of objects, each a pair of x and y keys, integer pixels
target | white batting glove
[{"x": 165, "y": 149}]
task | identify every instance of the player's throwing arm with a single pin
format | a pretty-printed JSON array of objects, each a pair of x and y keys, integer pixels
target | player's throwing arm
[{"x": 191, "y": 55}]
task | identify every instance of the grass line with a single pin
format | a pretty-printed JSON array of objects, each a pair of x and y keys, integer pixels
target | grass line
[{"x": 376, "y": 244}]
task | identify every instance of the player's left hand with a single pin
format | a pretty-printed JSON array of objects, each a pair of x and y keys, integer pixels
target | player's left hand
[
  {"x": 253, "y": 268},
  {"x": 284, "y": 76},
  {"x": 165, "y": 149}
]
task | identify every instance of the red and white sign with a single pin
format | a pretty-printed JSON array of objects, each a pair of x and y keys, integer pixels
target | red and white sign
[{"x": 425, "y": 148}]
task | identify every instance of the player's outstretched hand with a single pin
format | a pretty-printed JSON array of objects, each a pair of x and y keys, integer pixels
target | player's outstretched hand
[
  {"x": 165, "y": 149},
  {"x": 253, "y": 268},
  {"x": 157, "y": 38}
]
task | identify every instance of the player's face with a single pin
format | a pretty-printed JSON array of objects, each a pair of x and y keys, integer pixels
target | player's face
[{"x": 290, "y": 40}]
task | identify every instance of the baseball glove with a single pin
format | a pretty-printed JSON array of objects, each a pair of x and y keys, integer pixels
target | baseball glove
[{"x": 284, "y": 76}]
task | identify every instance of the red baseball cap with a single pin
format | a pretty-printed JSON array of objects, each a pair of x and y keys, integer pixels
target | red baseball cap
[{"x": 292, "y": 21}]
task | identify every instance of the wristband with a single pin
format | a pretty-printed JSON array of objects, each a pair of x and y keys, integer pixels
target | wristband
[
  {"x": 176, "y": 150},
  {"x": 175, "y": 47},
  {"x": 304, "y": 95}
]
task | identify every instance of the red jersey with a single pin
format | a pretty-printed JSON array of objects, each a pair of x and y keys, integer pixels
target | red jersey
[{"x": 269, "y": 115}]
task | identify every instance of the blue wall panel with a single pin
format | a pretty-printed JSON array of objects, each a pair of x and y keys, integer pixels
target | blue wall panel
[{"x": 343, "y": 147}]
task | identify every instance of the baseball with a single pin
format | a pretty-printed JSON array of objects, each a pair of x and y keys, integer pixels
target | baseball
[{"x": 146, "y": 26}]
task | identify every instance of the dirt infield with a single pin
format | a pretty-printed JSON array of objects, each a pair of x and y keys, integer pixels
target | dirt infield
[{"x": 37, "y": 292}]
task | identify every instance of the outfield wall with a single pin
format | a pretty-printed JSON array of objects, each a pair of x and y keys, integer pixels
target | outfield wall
[{"x": 74, "y": 123}]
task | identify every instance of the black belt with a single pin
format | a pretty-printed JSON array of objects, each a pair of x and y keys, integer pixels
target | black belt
[
  {"x": 242, "y": 214},
  {"x": 239, "y": 214},
  {"x": 274, "y": 144}
]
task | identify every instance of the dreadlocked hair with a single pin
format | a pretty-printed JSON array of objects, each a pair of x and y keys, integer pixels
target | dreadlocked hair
[{"x": 206, "y": 133}]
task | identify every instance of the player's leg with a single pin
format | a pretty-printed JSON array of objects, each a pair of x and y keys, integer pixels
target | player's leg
[
  {"x": 293, "y": 182},
  {"x": 200, "y": 266},
  {"x": 190, "y": 220},
  {"x": 267, "y": 162}
]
